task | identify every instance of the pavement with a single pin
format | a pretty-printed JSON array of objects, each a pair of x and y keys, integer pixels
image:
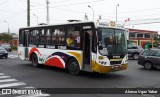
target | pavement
[{"x": 19, "y": 74}]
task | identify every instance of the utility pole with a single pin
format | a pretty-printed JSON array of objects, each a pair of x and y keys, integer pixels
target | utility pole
[
  {"x": 116, "y": 11},
  {"x": 28, "y": 12},
  {"x": 47, "y": 2}
]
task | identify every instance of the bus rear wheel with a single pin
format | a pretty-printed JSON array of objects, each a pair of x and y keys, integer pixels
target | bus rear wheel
[
  {"x": 73, "y": 66},
  {"x": 34, "y": 60}
]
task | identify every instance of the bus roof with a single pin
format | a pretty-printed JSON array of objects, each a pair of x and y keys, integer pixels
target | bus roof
[{"x": 97, "y": 24}]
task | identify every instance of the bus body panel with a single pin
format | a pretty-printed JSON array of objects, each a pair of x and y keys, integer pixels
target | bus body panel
[
  {"x": 21, "y": 52},
  {"x": 55, "y": 57},
  {"x": 103, "y": 63}
]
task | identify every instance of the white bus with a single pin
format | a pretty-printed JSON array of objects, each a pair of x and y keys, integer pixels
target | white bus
[{"x": 78, "y": 46}]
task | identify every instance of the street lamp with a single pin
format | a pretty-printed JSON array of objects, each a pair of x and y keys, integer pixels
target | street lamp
[
  {"x": 116, "y": 11},
  {"x": 8, "y": 26},
  {"x": 92, "y": 10},
  {"x": 37, "y": 18}
]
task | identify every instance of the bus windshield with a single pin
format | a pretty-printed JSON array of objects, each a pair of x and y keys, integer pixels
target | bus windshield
[{"x": 112, "y": 41}]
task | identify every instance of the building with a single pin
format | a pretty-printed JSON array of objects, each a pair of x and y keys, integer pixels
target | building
[
  {"x": 13, "y": 42},
  {"x": 142, "y": 37}
]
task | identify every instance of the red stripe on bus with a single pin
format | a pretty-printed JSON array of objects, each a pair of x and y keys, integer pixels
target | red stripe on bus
[
  {"x": 33, "y": 50},
  {"x": 54, "y": 62}
]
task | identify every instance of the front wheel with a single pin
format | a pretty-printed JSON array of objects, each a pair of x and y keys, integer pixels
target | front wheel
[
  {"x": 6, "y": 57},
  {"x": 34, "y": 60},
  {"x": 148, "y": 65},
  {"x": 73, "y": 66}
]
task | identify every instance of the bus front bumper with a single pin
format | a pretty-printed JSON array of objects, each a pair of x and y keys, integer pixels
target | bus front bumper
[{"x": 106, "y": 69}]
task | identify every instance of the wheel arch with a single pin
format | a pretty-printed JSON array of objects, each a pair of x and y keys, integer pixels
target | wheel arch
[
  {"x": 147, "y": 61},
  {"x": 32, "y": 55},
  {"x": 69, "y": 60},
  {"x": 135, "y": 53}
]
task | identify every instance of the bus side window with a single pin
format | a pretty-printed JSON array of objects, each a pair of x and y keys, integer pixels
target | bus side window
[
  {"x": 58, "y": 36},
  {"x": 78, "y": 38},
  {"x": 21, "y": 37},
  {"x": 48, "y": 36},
  {"x": 44, "y": 36},
  {"x": 34, "y": 36},
  {"x": 31, "y": 37},
  {"x": 73, "y": 37}
]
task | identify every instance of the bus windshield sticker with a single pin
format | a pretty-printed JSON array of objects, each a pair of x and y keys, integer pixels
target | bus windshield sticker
[
  {"x": 48, "y": 46},
  {"x": 31, "y": 45},
  {"x": 86, "y": 27},
  {"x": 78, "y": 39},
  {"x": 104, "y": 51},
  {"x": 62, "y": 47},
  {"x": 40, "y": 45}
]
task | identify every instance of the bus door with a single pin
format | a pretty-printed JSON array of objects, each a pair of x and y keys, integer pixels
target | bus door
[
  {"x": 26, "y": 43},
  {"x": 87, "y": 48}
]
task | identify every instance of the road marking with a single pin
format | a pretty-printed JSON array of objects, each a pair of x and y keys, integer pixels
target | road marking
[
  {"x": 7, "y": 80},
  {"x": 4, "y": 77},
  {"x": 12, "y": 56},
  {"x": 1, "y": 73},
  {"x": 12, "y": 84}
]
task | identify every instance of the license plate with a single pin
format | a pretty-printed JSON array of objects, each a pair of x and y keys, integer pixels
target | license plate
[{"x": 116, "y": 68}]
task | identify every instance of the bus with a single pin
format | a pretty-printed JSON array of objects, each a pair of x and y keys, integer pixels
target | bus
[{"x": 76, "y": 46}]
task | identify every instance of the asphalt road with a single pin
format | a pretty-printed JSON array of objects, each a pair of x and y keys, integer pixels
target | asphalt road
[{"x": 15, "y": 73}]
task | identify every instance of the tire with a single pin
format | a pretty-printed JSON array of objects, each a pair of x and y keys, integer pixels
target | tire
[
  {"x": 135, "y": 56},
  {"x": 73, "y": 67},
  {"x": 34, "y": 60},
  {"x": 6, "y": 57},
  {"x": 148, "y": 65}
]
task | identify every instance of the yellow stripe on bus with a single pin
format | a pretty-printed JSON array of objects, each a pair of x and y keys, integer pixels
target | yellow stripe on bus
[
  {"x": 78, "y": 57},
  {"x": 116, "y": 59}
]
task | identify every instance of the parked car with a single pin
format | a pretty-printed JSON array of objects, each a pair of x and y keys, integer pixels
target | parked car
[
  {"x": 3, "y": 52},
  {"x": 7, "y": 46},
  {"x": 134, "y": 51},
  {"x": 150, "y": 59}
]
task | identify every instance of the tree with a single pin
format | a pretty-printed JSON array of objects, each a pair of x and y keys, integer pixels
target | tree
[{"x": 6, "y": 37}]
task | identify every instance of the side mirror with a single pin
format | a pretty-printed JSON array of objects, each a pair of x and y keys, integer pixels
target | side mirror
[{"x": 100, "y": 47}]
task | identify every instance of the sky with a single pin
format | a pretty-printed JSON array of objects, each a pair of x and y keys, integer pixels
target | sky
[{"x": 141, "y": 14}]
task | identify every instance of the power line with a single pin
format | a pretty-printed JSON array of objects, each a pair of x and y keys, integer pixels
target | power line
[
  {"x": 4, "y": 2},
  {"x": 72, "y": 4},
  {"x": 141, "y": 10},
  {"x": 7, "y": 11},
  {"x": 50, "y": 3},
  {"x": 78, "y": 3},
  {"x": 61, "y": 1},
  {"x": 40, "y": 4},
  {"x": 87, "y": 2},
  {"x": 144, "y": 23}
]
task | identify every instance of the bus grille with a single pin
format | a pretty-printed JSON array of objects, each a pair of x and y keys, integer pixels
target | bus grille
[{"x": 115, "y": 62}]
